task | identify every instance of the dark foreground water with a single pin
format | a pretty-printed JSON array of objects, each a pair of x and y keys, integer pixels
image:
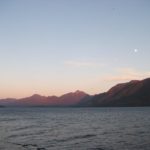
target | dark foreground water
[{"x": 75, "y": 128}]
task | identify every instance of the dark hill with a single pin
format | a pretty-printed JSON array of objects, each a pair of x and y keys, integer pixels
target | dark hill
[{"x": 133, "y": 93}]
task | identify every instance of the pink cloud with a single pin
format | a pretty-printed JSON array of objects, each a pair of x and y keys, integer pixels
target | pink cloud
[{"x": 126, "y": 74}]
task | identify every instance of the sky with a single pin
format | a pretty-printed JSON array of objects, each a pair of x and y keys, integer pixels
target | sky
[{"x": 52, "y": 47}]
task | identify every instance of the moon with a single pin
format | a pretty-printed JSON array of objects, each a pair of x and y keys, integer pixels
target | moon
[{"x": 135, "y": 50}]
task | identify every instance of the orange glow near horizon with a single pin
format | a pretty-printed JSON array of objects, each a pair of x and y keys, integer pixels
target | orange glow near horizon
[{"x": 19, "y": 87}]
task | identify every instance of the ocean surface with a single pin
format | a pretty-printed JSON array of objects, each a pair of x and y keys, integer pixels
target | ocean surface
[{"x": 75, "y": 128}]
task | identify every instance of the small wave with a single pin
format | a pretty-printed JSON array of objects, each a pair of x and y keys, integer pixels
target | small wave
[
  {"x": 25, "y": 127},
  {"x": 75, "y": 137},
  {"x": 97, "y": 149},
  {"x": 27, "y": 146},
  {"x": 20, "y": 135},
  {"x": 84, "y": 136}
]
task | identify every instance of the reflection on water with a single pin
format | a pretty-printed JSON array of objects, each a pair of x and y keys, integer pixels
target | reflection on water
[{"x": 75, "y": 128}]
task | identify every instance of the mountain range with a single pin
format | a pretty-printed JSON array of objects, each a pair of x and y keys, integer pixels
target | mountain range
[
  {"x": 68, "y": 99},
  {"x": 130, "y": 94},
  {"x": 134, "y": 93}
]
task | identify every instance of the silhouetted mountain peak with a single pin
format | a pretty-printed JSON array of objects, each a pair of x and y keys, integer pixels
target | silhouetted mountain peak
[
  {"x": 36, "y": 96},
  {"x": 134, "y": 81},
  {"x": 133, "y": 93},
  {"x": 79, "y": 92}
]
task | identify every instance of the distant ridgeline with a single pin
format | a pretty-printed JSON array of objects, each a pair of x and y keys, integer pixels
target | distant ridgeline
[
  {"x": 69, "y": 99},
  {"x": 130, "y": 94}
]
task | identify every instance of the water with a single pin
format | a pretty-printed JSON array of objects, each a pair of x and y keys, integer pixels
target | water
[{"x": 75, "y": 128}]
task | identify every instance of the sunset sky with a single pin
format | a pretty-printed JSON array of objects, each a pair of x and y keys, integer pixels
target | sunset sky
[{"x": 52, "y": 47}]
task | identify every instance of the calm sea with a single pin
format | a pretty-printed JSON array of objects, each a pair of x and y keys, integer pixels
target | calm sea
[{"x": 75, "y": 128}]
